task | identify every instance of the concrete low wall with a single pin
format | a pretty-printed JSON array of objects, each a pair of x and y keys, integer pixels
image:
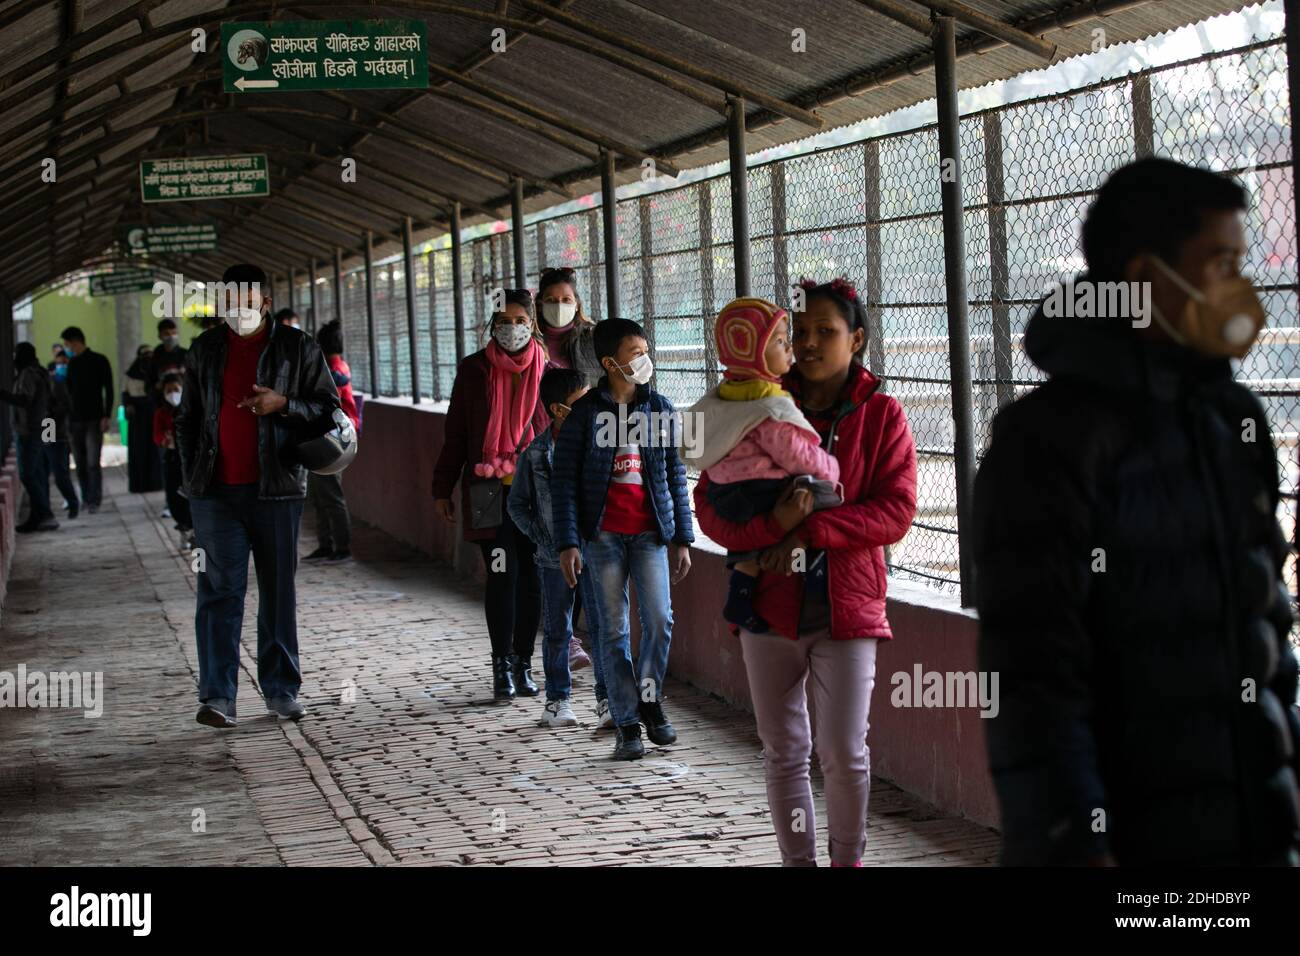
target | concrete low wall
[{"x": 936, "y": 753}]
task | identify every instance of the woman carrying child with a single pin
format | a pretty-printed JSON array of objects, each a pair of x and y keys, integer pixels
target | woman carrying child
[{"x": 823, "y": 582}]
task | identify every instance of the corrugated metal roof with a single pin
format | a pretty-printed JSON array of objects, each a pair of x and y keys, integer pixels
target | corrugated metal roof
[{"x": 87, "y": 102}]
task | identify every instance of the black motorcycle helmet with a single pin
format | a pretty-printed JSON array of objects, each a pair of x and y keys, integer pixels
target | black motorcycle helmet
[{"x": 327, "y": 445}]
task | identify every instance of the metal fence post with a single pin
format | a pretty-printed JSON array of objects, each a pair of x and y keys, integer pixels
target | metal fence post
[
  {"x": 739, "y": 176},
  {"x": 954, "y": 254},
  {"x": 875, "y": 282},
  {"x": 293, "y": 290},
  {"x": 517, "y": 228},
  {"x": 598, "y": 304},
  {"x": 311, "y": 296},
  {"x": 705, "y": 198},
  {"x": 430, "y": 263},
  {"x": 647, "y": 272},
  {"x": 457, "y": 283},
  {"x": 338, "y": 285},
  {"x": 1144, "y": 130},
  {"x": 998, "y": 266},
  {"x": 609, "y": 212},
  {"x": 408, "y": 261},
  {"x": 780, "y": 254},
  {"x": 370, "y": 312},
  {"x": 390, "y": 283}
]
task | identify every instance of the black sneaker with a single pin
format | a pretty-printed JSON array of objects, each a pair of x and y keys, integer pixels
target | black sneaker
[
  {"x": 27, "y": 527},
  {"x": 629, "y": 746},
  {"x": 657, "y": 727},
  {"x": 321, "y": 552},
  {"x": 73, "y": 511},
  {"x": 339, "y": 555},
  {"x": 217, "y": 712}
]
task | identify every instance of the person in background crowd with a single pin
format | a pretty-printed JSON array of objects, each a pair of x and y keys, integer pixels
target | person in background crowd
[
  {"x": 530, "y": 509},
  {"x": 232, "y": 432},
  {"x": 32, "y": 397},
  {"x": 567, "y": 331},
  {"x": 168, "y": 355},
  {"x": 143, "y": 463},
  {"x": 57, "y": 452},
  {"x": 209, "y": 322},
  {"x": 495, "y": 412},
  {"x": 164, "y": 436},
  {"x": 1128, "y": 557},
  {"x": 90, "y": 384},
  {"x": 823, "y": 587},
  {"x": 325, "y": 492},
  {"x": 288, "y": 317},
  {"x": 566, "y": 328},
  {"x": 56, "y": 353},
  {"x": 623, "y": 504}
]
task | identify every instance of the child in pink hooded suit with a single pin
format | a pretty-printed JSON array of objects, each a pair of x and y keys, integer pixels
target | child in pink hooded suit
[{"x": 756, "y": 441}]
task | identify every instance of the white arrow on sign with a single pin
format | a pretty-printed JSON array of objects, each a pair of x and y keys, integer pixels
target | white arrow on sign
[{"x": 242, "y": 84}]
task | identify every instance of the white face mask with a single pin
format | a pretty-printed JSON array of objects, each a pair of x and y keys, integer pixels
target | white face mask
[
  {"x": 173, "y": 398},
  {"x": 559, "y": 314},
  {"x": 511, "y": 336},
  {"x": 243, "y": 319},
  {"x": 639, "y": 370}
]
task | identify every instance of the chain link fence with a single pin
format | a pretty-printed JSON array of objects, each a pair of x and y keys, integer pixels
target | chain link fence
[{"x": 871, "y": 211}]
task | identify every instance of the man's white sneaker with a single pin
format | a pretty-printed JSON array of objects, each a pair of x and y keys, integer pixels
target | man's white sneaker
[
  {"x": 604, "y": 719},
  {"x": 558, "y": 713}
]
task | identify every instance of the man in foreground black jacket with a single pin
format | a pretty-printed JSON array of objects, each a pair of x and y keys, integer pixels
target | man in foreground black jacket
[
  {"x": 1128, "y": 556},
  {"x": 249, "y": 383}
]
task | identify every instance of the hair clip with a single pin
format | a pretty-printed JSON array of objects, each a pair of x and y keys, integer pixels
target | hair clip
[
  {"x": 843, "y": 287},
  {"x": 806, "y": 284}
]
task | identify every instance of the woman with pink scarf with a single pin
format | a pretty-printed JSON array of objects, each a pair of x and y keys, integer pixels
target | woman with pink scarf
[{"x": 493, "y": 414}]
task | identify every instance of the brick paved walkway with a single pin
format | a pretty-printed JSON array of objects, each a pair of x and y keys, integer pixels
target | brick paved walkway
[{"x": 404, "y": 758}]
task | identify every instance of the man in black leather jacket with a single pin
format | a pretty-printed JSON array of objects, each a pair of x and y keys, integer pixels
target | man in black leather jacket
[
  {"x": 1128, "y": 556},
  {"x": 249, "y": 383}
]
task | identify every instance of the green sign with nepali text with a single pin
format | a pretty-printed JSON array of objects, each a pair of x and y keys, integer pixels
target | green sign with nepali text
[
  {"x": 116, "y": 283},
  {"x": 204, "y": 177},
  {"x": 170, "y": 238},
  {"x": 296, "y": 55}
]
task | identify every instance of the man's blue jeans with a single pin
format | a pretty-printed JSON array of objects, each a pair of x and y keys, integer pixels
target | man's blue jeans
[
  {"x": 229, "y": 523},
  {"x": 557, "y": 630},
  {"x": 34, "y": 473},
  {"x": 614, "y": 560}
]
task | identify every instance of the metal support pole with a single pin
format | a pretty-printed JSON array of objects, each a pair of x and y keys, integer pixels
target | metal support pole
[
  {"x": 370, "y": 313},
  {"x": 1293, "y": 88},
  {"x": 954, "y": 255},
  {"x": 739, "y": 193},
  {"x": 517, "y": 232},
  {"x": 311, "y": 296},
  {"x": 705, "y": 191},
  {"x": 609, "y": 213},
  {"x": 999, "y": 270},
  {"x": 435, "y": 387},
  {"x": 338, "y": 285},
  {"x": 457, "y": 283},
  {"x": 409, "y": 270},
  {"x": 293, "y": 289},
  {"x": 647, "y": 271}
]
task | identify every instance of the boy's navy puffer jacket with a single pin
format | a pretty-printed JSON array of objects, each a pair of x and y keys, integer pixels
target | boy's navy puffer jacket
[{"x": 583, "y": 464}]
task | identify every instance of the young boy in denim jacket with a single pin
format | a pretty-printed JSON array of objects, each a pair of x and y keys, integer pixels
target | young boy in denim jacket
[
  {"x": 619, "y": 499},
  {"x": 529, "y": 504}
]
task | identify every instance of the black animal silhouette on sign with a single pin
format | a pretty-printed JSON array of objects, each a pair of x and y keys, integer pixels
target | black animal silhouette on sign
[{"x": 255, "y": 49}]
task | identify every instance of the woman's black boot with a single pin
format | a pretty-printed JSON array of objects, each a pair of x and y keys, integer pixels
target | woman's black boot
[
  {"x": 522, "y": 668},
  {"x": 503, "y": 684}
]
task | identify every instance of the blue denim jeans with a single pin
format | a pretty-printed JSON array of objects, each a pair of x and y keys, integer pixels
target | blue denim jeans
[
  {"x": 557, "y": 630},
  {"x": 230, "y": 522},
  {"x": 613, "y": 560}
]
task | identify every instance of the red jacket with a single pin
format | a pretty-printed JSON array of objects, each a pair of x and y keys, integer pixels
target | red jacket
[
  {"x": 877, "y": 459},
  {"x": 163, "y": 427},
  {"x": 462, "y": 443}
]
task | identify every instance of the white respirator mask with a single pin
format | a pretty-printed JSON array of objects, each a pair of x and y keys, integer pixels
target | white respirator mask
[{"x": 559, "y": 314}]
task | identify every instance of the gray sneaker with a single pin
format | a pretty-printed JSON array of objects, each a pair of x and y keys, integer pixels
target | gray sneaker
[
  {"x": 286, "y": 707},
  {"x": 217, "y": 712},
  {"x": 558, "y": 713}
]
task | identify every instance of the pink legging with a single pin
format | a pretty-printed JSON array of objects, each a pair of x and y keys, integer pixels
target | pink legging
[{"x": 842, "y": 676}]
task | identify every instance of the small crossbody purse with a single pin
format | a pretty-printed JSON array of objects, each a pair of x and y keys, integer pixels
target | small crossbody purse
[{"x": 487, "y": 500}]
